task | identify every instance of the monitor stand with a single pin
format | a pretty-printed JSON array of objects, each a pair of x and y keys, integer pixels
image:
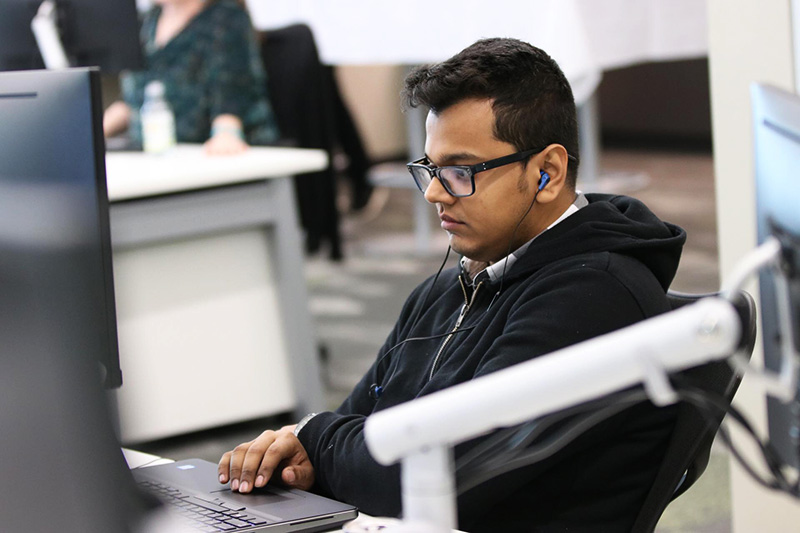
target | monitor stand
[{"x": 48, "y": 38}]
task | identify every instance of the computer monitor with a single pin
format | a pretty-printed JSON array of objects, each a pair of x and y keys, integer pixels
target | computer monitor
[
  {"x": 776, "y": 126},
  {"x": 102, "y": 33},
  {"x": 54, "y": 208},
  {"x": 61, "y": 464}
]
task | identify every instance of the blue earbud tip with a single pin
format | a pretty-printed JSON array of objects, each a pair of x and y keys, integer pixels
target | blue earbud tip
[{"x": 545, "y": 179}]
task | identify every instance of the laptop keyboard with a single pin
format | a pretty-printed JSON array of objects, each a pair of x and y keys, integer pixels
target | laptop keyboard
[{"x": 202, "y": 515}]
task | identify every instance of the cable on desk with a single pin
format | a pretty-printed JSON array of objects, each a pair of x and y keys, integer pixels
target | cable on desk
[{"x": 148, "y": 463}]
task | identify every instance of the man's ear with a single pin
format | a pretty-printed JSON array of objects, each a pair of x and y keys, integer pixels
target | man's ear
[{"x": 552, "y": 163}]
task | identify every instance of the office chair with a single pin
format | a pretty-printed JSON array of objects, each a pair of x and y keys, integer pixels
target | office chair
[
  {"x": 299, "y": 93},
  {"x": 311, "y": 114},
  {"x": 689, "y": 448}
]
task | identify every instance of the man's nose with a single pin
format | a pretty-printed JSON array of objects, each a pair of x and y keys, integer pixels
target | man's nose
[{"x": 436, "y": 193}]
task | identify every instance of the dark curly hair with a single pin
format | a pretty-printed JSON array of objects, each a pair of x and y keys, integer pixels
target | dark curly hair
[{"x": 532, "y": 100}]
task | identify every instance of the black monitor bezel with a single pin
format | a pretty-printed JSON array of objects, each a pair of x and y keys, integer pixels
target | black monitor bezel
[{"x": 113, "y": 376}]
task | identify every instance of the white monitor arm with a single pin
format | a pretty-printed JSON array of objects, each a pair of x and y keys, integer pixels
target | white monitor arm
[{"x": 421, "y": 433}]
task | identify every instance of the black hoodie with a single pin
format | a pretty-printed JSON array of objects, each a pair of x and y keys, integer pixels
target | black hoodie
[{"x": 603, "y": 268}]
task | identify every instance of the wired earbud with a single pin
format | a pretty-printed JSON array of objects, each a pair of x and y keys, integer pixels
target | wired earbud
[{"x": 545, "y": 179}]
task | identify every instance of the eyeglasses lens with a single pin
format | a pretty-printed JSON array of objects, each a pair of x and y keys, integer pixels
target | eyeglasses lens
[
  {"x": 457, "y": 181},
  {"x": 422, "y": 177}
]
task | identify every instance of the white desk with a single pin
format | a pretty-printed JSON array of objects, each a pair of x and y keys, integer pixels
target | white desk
[
  {"x": 212, "y": 309},
  {"x": 186, "y": 167}
]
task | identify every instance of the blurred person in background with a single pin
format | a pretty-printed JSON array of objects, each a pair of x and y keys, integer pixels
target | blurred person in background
[{"x": 205, "y": 54}]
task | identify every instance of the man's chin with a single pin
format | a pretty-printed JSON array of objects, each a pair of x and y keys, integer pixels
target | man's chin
[
  {"x": 471, "y": 252},
  {"x": 456, "y": 244},
  {"x": 459, "y": 246}
]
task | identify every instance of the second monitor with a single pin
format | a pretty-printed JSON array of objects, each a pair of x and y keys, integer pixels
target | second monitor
[{"x": 103, "y": 33}]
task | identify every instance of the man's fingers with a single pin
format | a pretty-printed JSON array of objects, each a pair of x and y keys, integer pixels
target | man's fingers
[
  {"x": 290, "y": 454},
  {"x": 252, "y": 464},
  {"x": 237, "y": 458},
  {"x": 299, "y": 476},
  {"x": 224, "y": 467},
  {"x": 236, "y": 462},
  {"x": 253, "y": 460},
  {"x": 279, "y": 450}
]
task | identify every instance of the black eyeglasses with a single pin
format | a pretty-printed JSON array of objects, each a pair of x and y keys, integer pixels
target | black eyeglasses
[{"x": 459, "y": 181}]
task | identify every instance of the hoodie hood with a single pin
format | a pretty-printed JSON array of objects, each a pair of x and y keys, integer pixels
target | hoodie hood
[{"x": 610, "y": 223}]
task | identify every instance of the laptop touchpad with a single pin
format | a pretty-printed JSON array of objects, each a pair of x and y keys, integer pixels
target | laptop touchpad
[{"x": 256, "y": 498}]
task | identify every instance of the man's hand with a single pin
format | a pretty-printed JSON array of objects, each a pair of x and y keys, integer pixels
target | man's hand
[{"x": 252, "y": 464}]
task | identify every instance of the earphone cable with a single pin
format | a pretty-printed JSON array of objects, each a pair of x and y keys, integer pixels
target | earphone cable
[
  {"x": 511, "y": 242},
  {"x": 419, "y": 314}
]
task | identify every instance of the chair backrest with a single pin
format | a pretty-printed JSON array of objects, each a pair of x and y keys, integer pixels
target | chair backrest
[
  {"x": 299, "y": 86},
  {"x": 689, "y": 448},
  {"x": 300, "y": 89}
]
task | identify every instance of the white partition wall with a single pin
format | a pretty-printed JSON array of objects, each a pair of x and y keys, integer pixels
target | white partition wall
[{"x": 201, "y": 342}]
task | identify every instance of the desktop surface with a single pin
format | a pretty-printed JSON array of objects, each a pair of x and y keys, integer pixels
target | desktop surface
[{"x": 187, "y": 167}]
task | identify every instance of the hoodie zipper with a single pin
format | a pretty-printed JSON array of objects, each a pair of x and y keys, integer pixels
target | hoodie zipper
[{"x": 464, "y": 310}]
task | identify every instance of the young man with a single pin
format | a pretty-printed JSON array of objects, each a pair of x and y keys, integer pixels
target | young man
[{"x": 543, "y": 267}]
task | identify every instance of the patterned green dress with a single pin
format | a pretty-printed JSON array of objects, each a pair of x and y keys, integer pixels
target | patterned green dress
[{"x": 212, "y": 67}]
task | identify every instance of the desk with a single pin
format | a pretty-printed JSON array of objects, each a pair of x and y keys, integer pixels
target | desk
[{"x": 212, "y": 306}]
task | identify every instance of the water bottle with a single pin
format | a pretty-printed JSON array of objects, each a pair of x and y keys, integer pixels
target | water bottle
[{"x": 158, "y": 122}]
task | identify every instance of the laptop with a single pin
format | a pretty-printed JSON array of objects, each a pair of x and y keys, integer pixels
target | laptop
[{"x": 191, "y": 488}]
